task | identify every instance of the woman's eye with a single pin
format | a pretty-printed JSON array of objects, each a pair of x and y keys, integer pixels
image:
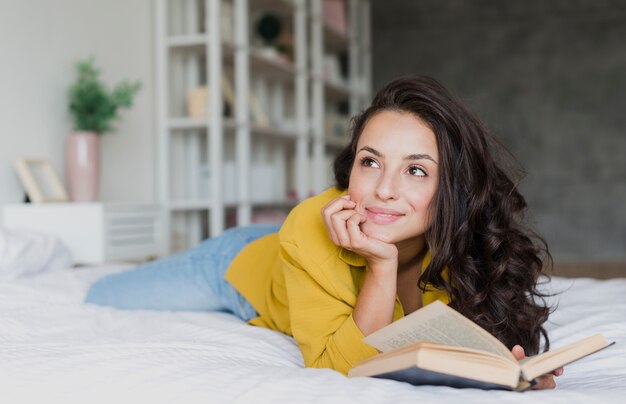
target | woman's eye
[
  {"x": 417, "y": 171},
  {"x": 369, "y": 162}
]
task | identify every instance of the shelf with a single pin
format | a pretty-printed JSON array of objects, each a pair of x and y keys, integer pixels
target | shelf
[
  {"x": 271, "y": 66},
  {"x": 186, "y": 123},
  {"x": 179, "y": 124},
  {"x": 182, "y": 206},
  {"x": 336, "y": 143},
  {"x": 294, "y": 99},
  {"x": 285, "y": 203},
  {"x": 266, "y": 65},
  {"x": 187, "y": 41},
  {"x": 190, "y": 205},
  {"x": 282, "y": 7},
  {"x": 274, "y": 132},
  {"x": 337, "y": 91}
]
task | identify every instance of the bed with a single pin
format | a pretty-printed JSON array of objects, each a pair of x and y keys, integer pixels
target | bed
[{"x": 54, "y": 348}]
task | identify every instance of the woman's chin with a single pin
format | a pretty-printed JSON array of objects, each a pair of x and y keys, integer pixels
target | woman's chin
[{"x": 377, "y": 233}]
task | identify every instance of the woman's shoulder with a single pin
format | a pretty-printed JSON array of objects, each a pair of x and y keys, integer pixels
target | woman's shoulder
[
  {"x": 304, "y": 224},
  {"x": 313, "y": 205}
]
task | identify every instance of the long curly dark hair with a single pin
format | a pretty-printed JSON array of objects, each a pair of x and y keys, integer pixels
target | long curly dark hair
[{"x": 493, "y": 260}]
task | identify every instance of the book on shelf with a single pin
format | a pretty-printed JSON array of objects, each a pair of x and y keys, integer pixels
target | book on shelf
[
  {"x": 439, "y": 346},
  {"x": 198, "y": 99},
  {"x": 259, "y": 116}
]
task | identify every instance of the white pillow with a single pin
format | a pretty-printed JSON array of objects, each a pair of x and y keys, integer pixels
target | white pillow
[{"x": 25, "y": 253}]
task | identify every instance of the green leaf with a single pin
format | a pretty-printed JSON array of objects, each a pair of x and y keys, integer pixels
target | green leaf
[{"x": 93, "y": 107}]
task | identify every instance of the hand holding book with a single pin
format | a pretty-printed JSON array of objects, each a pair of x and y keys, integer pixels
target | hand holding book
[
  {"x": 437, "y": 345},
  {"x": 542, "y": 382}
]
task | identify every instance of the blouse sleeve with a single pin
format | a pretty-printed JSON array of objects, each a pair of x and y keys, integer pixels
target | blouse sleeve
[{"x": 321, "y": 322}]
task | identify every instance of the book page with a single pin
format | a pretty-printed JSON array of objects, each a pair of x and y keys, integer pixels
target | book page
[
  {"x": 538, "y": 365},
  {"x": 436, "y": 323}
]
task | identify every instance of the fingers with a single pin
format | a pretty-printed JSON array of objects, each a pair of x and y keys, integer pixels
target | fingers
[
  {"x": 334, "y": 214},
  {"x": 518, "y": 352},
  {"x": 354, "y": 234},
  {"x": 545, "y": 382},
  {"x": 341, "y": 222}
]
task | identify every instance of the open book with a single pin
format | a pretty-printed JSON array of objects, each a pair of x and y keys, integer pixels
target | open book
[{"x": 438, "y": 345}]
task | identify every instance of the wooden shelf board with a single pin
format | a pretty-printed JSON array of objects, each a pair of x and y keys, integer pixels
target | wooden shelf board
[
  {"x": 273, "y": 132},
  {"x": 182, "y": 205},
  {"x": 282, "y": 7},
  {"x": 336, "y": 143},
  {"x": 186, "y": 41},
  {"x": 261, "y": 63},
  {"x": 284, "y": 203},
  {"x": 337, "y": 91},
  {"x": 183, "y": 123}
]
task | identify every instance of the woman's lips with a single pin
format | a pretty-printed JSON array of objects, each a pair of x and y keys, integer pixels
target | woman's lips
[{"x": 382, "y": 216}]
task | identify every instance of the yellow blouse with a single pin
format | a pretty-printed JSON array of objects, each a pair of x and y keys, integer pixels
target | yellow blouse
[{"x": 303, "y": 285}]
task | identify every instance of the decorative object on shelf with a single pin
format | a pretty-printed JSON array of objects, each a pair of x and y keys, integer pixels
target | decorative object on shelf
[
  {"x": 270, "y": 38},
  {"x": 258, "y": 114},
  {"x": 94, "y": 109},
  {"x": 269, "y": 27},
  {"x": 40, "y": 181},
  {"x": 198, "y": 100},
  {"x": 334, "y": 14}
]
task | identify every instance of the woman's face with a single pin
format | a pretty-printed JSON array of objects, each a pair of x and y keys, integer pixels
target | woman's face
[{"x": 394, "y": 177}]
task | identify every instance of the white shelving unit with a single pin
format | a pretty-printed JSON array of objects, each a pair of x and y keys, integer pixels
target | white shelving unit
[
  {"x": 255, "y": 147},
  {"x": 337, "y": 97}
]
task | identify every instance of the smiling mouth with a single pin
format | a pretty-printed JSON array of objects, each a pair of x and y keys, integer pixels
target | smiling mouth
[{"x": 382, "y": 217}]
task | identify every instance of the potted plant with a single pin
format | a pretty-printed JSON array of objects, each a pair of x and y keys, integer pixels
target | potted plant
[{"x": 94, "y": 108}]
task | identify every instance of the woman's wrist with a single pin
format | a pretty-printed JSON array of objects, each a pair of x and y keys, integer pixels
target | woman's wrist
[{"x": 383, "y": 267}]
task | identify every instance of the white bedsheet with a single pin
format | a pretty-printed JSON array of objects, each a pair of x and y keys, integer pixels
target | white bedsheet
[{"x": 54, "y": 348}]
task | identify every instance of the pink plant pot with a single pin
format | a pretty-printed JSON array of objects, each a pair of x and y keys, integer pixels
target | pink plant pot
[{"x": 82, "y": 166}]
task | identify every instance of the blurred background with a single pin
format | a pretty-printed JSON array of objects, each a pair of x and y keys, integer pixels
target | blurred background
[{"x": 548, "y": 77}]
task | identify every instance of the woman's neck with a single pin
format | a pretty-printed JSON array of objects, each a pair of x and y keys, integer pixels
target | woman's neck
[{"x": 410, "y": 253}]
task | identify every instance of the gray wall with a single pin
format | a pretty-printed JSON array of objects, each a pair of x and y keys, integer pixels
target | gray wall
[{"x": 548, "y": 77}]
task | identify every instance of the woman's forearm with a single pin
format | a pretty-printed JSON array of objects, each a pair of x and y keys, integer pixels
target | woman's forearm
[{"x": 376, "y": 301}]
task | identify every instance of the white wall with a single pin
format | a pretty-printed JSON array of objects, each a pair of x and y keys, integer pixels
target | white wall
[{"x": 40, "y": 41}]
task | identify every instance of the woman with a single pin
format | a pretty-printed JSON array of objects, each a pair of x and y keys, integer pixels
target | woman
[{"x": 421, "y": 211}]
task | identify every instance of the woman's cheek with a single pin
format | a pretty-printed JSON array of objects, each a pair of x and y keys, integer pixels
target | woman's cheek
[{"x": 376, "y": 233}]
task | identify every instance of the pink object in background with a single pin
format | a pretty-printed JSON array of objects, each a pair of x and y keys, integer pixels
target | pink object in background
[
  {"x": 334, "y": 15},
  {"x": 82, "y": 166}
]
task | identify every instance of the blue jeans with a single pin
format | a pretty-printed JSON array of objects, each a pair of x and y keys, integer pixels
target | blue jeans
[{"x": 192, "y": 280}]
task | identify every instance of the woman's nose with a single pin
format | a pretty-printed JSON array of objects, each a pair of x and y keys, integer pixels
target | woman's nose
[{"x": 387, "y": 188}]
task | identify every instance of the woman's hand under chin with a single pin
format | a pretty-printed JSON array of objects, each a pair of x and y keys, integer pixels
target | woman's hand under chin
[
  {"x": 543, "y": 382},
  {"x": 343, "y": 224}
]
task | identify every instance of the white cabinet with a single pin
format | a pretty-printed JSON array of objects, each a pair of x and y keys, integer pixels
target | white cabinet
[
  {"x": 240, "y": 124},
  {"x": 94, "y": 232}
]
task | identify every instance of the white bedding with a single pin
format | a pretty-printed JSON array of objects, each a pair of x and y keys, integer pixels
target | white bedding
[{"x": 54, "y": 348}]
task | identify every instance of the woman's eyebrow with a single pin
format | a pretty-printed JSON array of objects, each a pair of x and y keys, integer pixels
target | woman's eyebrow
[
  {"x": 409, "y": 157},
  {"x": 371, "y": 150},
  {"x": 420, "y": 157}
]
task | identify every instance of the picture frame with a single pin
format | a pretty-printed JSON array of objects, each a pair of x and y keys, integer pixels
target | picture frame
[{"x": 41, "y": 183}]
